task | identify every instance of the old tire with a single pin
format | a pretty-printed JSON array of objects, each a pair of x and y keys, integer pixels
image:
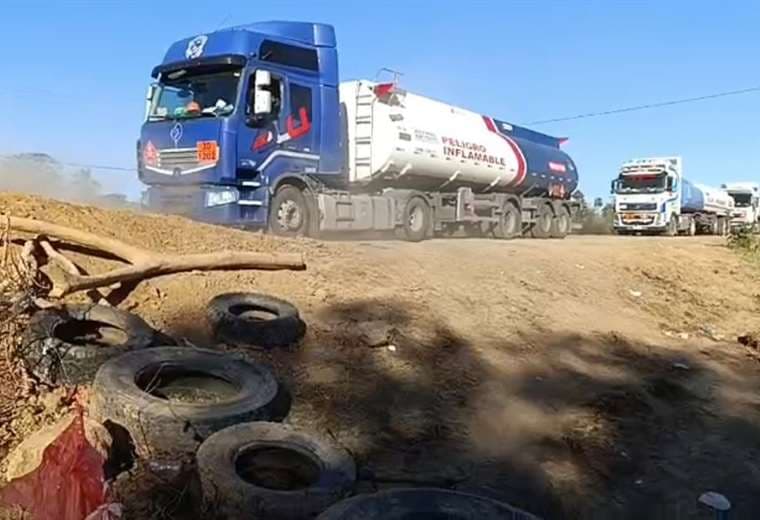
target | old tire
[
  {"x": 68, "y": 345},
  {"x": 268, "y": 470},
  {"x": 416, "y": 220},
  {"x": 170, "y": 399},
  {"x": 542, "y": 227},
  {"x": 422, "y": 503},
  {"x": 510, "y": 222},
  {"x": 233, "y": 320},
  {"x": 561, "y": 224},
  {"x": 290, "y": 214}
]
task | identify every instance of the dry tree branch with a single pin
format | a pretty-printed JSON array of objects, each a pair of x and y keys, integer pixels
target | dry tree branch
[
  {"x": 144, "y": 263},
  {"x": 71, "y": 268}
]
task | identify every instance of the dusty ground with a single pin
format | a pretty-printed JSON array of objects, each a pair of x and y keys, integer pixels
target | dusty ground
[{"x": 596, "y": 377}]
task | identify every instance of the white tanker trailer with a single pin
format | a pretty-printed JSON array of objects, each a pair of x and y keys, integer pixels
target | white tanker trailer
[{"x": 269, "y": 137}]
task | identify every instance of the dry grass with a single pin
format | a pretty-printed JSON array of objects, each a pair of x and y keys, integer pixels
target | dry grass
[{"x": 18, "y": 288}]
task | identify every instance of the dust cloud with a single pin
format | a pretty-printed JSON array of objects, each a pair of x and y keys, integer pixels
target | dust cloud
[{"x": 40, "y": 174}]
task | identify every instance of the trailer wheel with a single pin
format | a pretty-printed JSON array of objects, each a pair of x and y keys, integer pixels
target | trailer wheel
[
  {"x": 289, "y": 214},
  {"x": 561, "y": 224},
  {"x": 416, "y": 220},
  {"x": 672, "y": 229},
  {"x": 510, "y": 222},
  {"x": 542, "y": 227}
]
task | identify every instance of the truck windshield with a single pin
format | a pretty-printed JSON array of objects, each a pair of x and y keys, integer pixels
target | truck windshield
[
  {"x": 641, "y": 183},
  {"x": 742, "y": 200},
  {"x": 184, "y": 94}
]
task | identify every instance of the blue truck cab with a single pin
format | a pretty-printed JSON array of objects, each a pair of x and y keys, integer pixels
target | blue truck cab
[{"x": 235, "y": 113}]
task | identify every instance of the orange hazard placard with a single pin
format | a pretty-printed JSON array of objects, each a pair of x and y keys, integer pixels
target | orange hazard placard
[{"x": 207, "y": 151}]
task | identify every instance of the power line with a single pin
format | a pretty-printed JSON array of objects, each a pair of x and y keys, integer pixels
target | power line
[
  {"x": 99, "y": 167},
  {"x": 647, "y": 106}
]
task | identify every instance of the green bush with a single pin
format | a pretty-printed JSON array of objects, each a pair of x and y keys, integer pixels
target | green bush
[{"x": 743, "y": 239}]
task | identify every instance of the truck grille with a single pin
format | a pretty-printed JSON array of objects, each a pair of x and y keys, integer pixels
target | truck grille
[
  {"x": 639, "y": 206},
  {"x": 637, "y": 219},
  {"x": 182, "y": 158}
]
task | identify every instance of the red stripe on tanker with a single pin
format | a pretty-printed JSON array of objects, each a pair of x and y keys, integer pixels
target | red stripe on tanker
[{"x": 521, "y": 163}]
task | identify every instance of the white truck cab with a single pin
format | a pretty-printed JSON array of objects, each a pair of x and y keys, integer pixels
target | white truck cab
[
  {"x": 647, "y": 195},
  {"x": 652, "y": 196},
  {"x": 746, "y": 212}
]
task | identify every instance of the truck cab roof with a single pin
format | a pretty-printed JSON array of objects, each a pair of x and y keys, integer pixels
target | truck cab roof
[{"x": 236, "y": 45}]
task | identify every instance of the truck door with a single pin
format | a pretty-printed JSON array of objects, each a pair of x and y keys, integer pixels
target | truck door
[
  {"x": 257, "y": 136},
  {"x": 289, "y": 130}
]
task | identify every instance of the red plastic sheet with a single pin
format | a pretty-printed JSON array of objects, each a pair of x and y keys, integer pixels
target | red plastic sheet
[{"x": 67, "y": 485}]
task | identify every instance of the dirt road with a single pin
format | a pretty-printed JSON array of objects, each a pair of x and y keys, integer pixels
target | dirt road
[{"x": 595, "y": 377}]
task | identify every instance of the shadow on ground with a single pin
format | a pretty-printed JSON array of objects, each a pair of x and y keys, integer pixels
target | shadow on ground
[{"x": 562, "y": 425}]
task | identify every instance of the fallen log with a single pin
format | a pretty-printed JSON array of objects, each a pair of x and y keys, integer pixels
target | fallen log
[{"x": 142, "y": 263}]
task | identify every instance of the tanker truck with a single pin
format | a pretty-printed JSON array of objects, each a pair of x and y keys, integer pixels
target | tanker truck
[
  {"x": 249, "y": 126},
  {"x": 652, "y": 196},
  {"x": 746, "y": 213}
]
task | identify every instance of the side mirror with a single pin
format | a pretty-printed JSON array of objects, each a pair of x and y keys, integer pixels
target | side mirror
[
  {"x": 669, "y": 184},
  {"x": 262, "y": 100},
  {"x": 613, "y": 187},
  {"x": 149, "y": 99}
]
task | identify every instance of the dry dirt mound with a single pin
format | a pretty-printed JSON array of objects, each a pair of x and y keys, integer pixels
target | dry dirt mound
[{"x": 591, "y": 377}]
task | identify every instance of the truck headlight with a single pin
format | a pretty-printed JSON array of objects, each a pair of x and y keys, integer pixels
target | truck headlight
[{"x": 221, "y": 197}]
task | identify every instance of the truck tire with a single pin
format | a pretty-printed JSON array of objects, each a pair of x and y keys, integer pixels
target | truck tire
[
  {"x": 561, "y": 224},
  {"x": 722, "y": 226},
  {"x": 542, "y": 227},
  {"x": 290, "y": 214},
  {"x": 417, "y": 220},
  {"x": 692, "y": 231},
  {"x": 232, "y": 320},
  {"x": 672, "y": 229},
  {"x": 510, "y": 222},
  {"x": 68, "y": 345},
  {"x": 423, "y": 503},
  {"x": 269, "y": 470},
  {"x": 170, "y": 399}
]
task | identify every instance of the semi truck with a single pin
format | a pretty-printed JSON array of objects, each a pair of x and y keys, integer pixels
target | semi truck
[
  {"x": 249, "y": 126},
  {"x": 746, "y": 212},
  {"x": 652, "y": 196}
]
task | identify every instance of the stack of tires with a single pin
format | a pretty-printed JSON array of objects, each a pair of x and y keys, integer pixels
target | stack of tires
[{"x": 165, "y": 404}]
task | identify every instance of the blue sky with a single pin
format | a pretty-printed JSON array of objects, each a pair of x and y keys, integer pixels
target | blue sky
[{"x": 74, "y": 73}]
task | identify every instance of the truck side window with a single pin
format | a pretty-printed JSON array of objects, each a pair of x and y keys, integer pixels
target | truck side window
[{"x": 300, "y": 117}]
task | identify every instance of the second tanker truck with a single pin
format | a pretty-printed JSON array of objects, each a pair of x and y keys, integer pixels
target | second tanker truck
[
  {"x": 652, "y": 196},
  {"x": 249, "y": 126}
]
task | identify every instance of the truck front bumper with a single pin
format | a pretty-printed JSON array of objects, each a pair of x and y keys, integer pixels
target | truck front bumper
[
  {"x": 221, "y": 205},
  {"x": 653, "y": 222}
]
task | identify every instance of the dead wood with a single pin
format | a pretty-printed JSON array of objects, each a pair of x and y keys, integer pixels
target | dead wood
[{"x": 142, "y": 263}]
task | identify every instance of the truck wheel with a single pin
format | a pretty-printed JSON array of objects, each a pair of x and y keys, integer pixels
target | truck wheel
[
  {"x": 692, "y": 227},
  {"x": 417, "y": 220},
  {"x": 542, "y": 227},
  {"x": 723, "y": 227},
  {"x": 289, "y": 214},
  {"x": 561, "y": 224},
  {"x": 672, "y": 229},
  {"x": 510, "y": 222}
]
